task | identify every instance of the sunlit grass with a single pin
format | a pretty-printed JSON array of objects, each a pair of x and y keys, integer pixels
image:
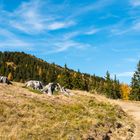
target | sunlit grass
[{"x": 28, "y": 116}]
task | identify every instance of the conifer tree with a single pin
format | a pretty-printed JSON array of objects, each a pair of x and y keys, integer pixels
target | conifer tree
[
  {"x": 108, "y": 88},
  {"x": 112, "y": 88},
  {"x": 135, "y": 84},
  {"x": 65, "y": 78},
  {"x": 116, "y": 89}
]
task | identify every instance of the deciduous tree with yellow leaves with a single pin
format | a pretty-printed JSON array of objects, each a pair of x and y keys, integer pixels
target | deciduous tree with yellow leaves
[
  {"x": 10, "y": 76},
  {"x": 125, "y": 91}
]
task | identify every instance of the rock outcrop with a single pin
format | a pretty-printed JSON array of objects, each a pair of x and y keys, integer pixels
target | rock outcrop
[{"x": 4, "y": 79}]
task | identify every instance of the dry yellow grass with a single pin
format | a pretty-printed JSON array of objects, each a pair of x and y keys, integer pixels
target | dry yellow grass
[{"x": 25, "y": 115}]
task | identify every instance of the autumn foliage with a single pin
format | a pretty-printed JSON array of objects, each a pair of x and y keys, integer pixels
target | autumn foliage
[
  {"x": 10, "y": 76},
  {"x": 125, "y": 91}
]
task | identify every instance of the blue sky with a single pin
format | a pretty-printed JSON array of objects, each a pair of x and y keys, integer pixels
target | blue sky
[{"x": 91, "y": 35}]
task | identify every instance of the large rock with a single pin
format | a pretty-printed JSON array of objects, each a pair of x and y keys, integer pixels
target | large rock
[
  {"x": 4, "y": 79},
  {"x": 63, "y": 90},
  {"x": 37, "y": 85},
  {"x": 50, "y": 88}
]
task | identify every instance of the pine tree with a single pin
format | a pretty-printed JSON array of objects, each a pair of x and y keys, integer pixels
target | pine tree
[
  {"x": 135, "y": 84},
  {"x": 108, "y": 88},
  {"x": 112, "y": 88},
  {"x": 116, "y": 89},
  {"x": 77, "y": 81},
  {"x": 65, "y": 78}
]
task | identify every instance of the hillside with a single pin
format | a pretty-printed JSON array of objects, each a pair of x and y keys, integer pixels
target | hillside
[
  {"x": 21, "y": 67},
  {"x": 26, "y": 115}
]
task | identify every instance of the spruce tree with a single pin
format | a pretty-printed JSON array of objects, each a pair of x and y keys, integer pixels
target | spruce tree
[
  {"x": 65, "y": 78},
  {"x": 116, "y": 89},
  {"x": 135, "y": 84},
  {"x": 112, "y": 88},
  {"x": 108, "y": 88}
]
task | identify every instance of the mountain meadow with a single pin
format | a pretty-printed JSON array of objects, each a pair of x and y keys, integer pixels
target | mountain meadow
[{"x": 94, "y": 111}]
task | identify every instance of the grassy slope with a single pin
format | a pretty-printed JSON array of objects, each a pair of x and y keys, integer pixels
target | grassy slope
[{"x": 25, "y": 115}]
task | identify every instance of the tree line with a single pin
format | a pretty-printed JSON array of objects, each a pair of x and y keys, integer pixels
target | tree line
[{"x": 21, "y": 67}]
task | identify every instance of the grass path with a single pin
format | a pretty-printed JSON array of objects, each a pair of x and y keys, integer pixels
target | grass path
[{"x": 131, "y": 108}]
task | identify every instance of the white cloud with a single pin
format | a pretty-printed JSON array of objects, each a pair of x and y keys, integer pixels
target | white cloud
[
  {"x": 59, "y": 25},
  {"x": 71, "y": 35},
  {"x": 92, "y": 31},
  {"x": 34, "y": 17},
  {"x": 135, "y": 3},
  {"x": 117, "y": 31},
  {"x": 6, "y": 33},
  {"x": 123, "y": 28},
  {"x": 124, "y": 74},
  {"x": 136, "y": 26},
  {"x": 131, "y": 60},
  {"x": 109, "y": 15},
  {"x": 10, "y": 40},
  {"x": 125, "y": 50},
  {"x": 95, "y": 6},
  {"x": 15, "y": 44},
  {"x": 61, "y": 44},
  {"x": 27, "y": 17}
]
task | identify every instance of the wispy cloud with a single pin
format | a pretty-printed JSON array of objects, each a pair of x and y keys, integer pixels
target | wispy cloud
[
  {"x": 10, "y": 41},
  {"x": 28, "y": 17},
  {"x": 16, "y": 44},
  {"x": 95, "y": 6},
  {"x": 135, "y": 3},
  {"x": 92, "y": 31},
  {"x": 108, "y": 16},
  {"x": 124, "y": 74},
  {"x": 122, "y": 28},
  {"x": 131, "y": 60},
  {"x": 136, "y": 26},
  {"x": 73, "y": 34},
  {"x": 64, "y": 45},
  {"x": 125, "y": 50},
  {"x": 118, "y": 31},
  {"x": 49, "y": 44},
  {"x": 60, "y": 25}
]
